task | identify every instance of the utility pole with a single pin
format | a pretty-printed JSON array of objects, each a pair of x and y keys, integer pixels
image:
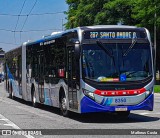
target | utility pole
[{"x": 155, "y": 37}]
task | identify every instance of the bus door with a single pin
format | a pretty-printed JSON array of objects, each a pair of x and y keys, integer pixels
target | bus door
[
  {"x": 72, "y": 85},
  {"x": 41, "y": 77}
]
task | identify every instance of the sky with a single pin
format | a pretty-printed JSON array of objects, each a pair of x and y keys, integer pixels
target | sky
[{"x": 44, "y": 17}]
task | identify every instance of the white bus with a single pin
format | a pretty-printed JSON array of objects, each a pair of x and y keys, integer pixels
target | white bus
[{"x": 104, "y": 68}]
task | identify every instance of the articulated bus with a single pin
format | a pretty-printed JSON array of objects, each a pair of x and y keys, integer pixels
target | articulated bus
[{"x": 102, "y": 68}]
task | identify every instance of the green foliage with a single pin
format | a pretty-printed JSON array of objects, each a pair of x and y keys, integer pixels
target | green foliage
[
  {"x": 144, "y": 10},
  {"x": 130, "y": 12},
  {"x": 116, "y": 11},
  {"x": 91, "y": 12},
  {"x": 73, "y": 7},
  {"x": 83, "y": 12},
  {"x": 157, "y": 88}
]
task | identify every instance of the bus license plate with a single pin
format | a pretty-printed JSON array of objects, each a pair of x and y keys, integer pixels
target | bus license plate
[{"x": 121, "y": 109}]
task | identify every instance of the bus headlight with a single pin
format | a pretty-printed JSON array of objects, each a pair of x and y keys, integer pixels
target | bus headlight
[
  {"x": 149, "y": 91},
  {"x": 88, "y": 93}
]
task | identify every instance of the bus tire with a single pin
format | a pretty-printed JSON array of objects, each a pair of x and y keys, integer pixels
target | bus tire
[
  {"x": 34, "y": 101},
  {"x": 63, "y": 104}
]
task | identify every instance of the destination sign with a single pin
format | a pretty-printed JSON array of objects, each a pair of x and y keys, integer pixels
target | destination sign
[{"x": 113, "y": 34}]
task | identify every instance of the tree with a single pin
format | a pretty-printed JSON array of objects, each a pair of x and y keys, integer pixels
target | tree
[
  {"x": 116, "y": 11},
  {"x": 73, "y": 7},
  {"x": 129, "y": 12},
  {"x": 83, "y": 12},
  {"x": 145, "y": 10}
]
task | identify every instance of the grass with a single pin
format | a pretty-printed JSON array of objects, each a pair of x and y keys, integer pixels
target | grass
[{"x": 157, "y": 88}]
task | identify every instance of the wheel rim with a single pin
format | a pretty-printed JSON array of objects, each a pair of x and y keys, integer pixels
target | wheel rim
[
  {"x": 34, "y": 98},
  {"x": 12, "y": 94}
]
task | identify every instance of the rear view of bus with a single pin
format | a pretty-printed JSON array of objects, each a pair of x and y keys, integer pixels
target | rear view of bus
[{"x": 117, "y": 72}]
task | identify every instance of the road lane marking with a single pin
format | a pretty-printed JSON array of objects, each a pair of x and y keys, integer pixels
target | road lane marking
[
  {"x": 10, "y": 123},
  {"x": 30, "y": 111},
  {"x": 145, "y": 113},
  {"x": 2, "y": 119}
]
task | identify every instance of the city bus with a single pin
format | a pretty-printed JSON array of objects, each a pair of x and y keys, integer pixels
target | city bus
[{"x": 101, "y": 68}]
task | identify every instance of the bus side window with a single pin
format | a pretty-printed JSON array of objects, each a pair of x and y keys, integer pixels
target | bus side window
[
  {"x": 49, "y": 63},
  {"x": 60, "y": 58}
]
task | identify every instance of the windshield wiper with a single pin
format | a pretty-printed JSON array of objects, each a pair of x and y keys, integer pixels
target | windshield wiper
[
  {"x": 107, "y": 51},
  {"x": 100, "y": 44},
  {"x": 140, "y": 73},
  {"x": 130, "y": 47}
]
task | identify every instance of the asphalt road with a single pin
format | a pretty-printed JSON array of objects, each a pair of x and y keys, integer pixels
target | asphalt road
[{"x": 20, "y": 115}]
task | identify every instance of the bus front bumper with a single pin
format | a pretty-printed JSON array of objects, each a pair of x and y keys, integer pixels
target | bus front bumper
[{"x": 89, "y": 105}]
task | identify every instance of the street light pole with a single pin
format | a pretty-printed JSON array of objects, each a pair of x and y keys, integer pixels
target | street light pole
[{"x": 155, "y": 42}]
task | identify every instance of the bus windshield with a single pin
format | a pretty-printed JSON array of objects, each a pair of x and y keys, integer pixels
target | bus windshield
[{"x": 98, "y": 65}]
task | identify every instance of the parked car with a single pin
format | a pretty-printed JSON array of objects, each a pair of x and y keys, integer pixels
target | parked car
[{"x": 1, "y": 77}]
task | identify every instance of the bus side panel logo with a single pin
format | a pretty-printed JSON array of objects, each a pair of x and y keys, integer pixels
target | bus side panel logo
[{"x": 108, "y": 101}]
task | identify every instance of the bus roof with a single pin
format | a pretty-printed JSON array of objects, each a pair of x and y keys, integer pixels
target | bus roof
[{"x": 59, "y": 34}]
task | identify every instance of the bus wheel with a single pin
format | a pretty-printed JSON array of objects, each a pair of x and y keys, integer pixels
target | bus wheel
[
  {"x": 34, "y": 101},
  {"x": 123, "y": 114},
  {"x": 63, "y": 105}
]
